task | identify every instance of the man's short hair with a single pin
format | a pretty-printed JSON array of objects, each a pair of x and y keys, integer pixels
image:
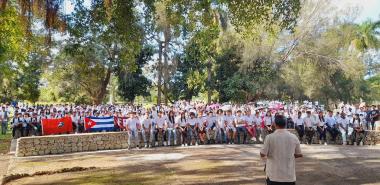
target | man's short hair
[{"x": 280, "y": 121}]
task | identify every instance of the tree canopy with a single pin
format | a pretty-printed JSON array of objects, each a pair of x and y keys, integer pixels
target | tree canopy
[{"x": 166, "y": 50}]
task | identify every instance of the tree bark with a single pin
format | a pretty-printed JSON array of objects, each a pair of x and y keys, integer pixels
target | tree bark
[
  {"x": 159, "y": 76},
  {"x": 166, "y": 72},
  {"x": 209, "y": 89},
  {"x": 103, "y": 90}
]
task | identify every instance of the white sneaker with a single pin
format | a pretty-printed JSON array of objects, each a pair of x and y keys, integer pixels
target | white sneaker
[
  {"x": 146, "y": 146},
  {"x": 175, "y": 143},
  {"x": 325, "y": 143},
  {"x": 164, "y": 143},
  {"x": 186, "y": 145},
  {"x": 156, "y": 143},
  {"x": 196, "y": 143},
  {"x": 150, "y": 146},
  {"x": 183, "y": 145},
  {"x": 169, "y": 143},
  {"x": 361, "y": 143}
]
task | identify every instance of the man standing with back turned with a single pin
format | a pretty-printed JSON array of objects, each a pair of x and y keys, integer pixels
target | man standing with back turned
[{"x": 280, "y": 150}]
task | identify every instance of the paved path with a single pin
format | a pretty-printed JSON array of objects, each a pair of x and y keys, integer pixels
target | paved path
[{"x": 214, "y": 164}]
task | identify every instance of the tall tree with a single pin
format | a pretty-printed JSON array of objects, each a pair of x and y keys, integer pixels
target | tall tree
[
  {"x": 102, "y": 40},
  {"x": 134, "y": 83}
]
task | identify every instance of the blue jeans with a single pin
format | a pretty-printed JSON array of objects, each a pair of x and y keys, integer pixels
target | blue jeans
[
  {"x": 192, "y": 133},
  {"x": 170, "y": 132},
  {"x": 241, "y": 129},
  {"x": 222, "y": 135},
  {"x": 132, "y": 134}
]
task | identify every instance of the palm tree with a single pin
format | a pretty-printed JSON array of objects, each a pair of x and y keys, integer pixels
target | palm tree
[{"x": 367, "y": 36}]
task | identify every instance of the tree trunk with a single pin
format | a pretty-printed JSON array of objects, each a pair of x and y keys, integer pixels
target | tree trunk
[
  {"x": 166, "y": 73},
  {"x": 166, "y": 64},
  {"x": 159, "y": 76},
  {"x": 209, "y": 89},
  {"x": 103, "y": 89}
]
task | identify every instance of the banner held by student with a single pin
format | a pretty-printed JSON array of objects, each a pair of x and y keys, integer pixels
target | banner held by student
[{"x": 57, "y": 126}]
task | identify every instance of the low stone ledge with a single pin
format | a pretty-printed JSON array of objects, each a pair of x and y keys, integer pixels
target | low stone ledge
[
  {"x": 371, "y": 137},
  {"x": 59, "y": 144}
]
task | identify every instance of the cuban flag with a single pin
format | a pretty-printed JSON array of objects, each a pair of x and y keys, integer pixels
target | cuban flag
[{"x": 98, "y": 124}]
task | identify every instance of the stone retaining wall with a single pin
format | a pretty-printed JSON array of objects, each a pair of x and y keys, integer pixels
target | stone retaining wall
[
  {"x": 59, "y": 144},
  {"x": 371, "y": 137}
]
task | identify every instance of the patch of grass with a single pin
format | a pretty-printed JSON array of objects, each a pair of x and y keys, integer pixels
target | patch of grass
[{"x": 5, "y": 142}]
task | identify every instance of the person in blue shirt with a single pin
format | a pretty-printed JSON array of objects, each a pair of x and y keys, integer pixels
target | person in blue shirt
[{"x": 332, "y": 125}]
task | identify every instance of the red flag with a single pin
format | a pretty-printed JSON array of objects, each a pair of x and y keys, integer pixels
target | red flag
[
  {"x": 89, "y": 123},
  {"x": 57, "y": 126}
]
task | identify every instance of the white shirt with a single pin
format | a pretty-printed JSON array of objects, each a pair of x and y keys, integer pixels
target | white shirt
[
  {"x": 229, "y": 120},
  {"x": 343, "y": 122},
  {"x": 239, "y": 120},
  {"x": 308, "y": 121},
  {"x": 331, "y": 121},
  {"x": 268, "y": 120},
  {"x": 257, "y": 120},
  {"x": 210, "y": 121},
  {"x": 160, "y": 121},
  {"x": 298, "y": 121},
  {"x": 202, "y": 120},
  {"x": 249, "y": 120},
  {"x": 220, "y": 121},
  {"x": 146, "y": 122},
  {"x": 192, "y": 121},
  {"x": 280, "y": 147},
  {"x": 180, "y": 122},
  {"x": 132, "y": 123}
]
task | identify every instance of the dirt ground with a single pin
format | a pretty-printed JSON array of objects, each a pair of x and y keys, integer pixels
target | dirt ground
[{"x": 213, "y": 164}]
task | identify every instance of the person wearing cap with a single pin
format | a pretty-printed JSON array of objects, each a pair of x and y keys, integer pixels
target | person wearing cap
[{"x": 279, "y": 151}]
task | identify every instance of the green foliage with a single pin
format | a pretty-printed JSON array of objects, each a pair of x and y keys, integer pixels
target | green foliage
[
  {"x": 374, "y": 88},
  {"x": 134, "y": 83}
]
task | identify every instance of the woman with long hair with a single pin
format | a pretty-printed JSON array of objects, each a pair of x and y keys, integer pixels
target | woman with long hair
[{"x": 321, "y": 128}]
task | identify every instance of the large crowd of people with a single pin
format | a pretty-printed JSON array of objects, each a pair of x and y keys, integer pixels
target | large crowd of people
[{"x": 194, "y": 121}]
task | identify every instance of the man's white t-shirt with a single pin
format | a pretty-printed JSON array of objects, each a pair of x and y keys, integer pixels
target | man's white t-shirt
[
  {"x": 280, "y": 147},
  {"x": 132, "y": 123},
  {"x": 192, "y": 121},
  {"x": 146, "y": 122},
  {"x": 160, "y": 121}
]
